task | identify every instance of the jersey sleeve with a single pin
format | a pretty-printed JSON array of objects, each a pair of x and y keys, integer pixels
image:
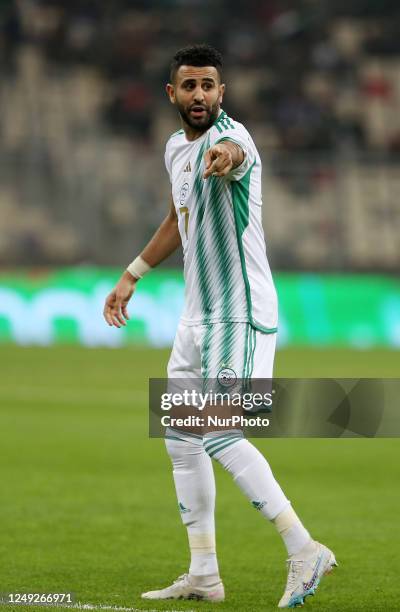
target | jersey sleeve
[{"x": 235, "y": 132}]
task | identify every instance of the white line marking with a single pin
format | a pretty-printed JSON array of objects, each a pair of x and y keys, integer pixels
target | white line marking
[{"x": 82, "y": 606}]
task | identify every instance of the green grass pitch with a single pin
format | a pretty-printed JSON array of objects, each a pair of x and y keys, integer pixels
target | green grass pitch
[{"x": 88, "y": 505}]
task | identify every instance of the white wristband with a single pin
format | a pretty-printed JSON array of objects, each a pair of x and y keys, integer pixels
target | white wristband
[{"x": 139, "y": 267}]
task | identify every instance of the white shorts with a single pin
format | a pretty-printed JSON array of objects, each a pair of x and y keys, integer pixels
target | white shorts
[{"x": 209, "y": 351}]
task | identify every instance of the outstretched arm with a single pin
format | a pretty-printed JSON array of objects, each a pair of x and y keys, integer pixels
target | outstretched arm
[
  {"x": 222, "y": 158},
  {"x": 164, "y": 242}
]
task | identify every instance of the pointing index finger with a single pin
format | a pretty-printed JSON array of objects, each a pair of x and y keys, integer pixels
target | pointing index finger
[{"x": 207, "y": 158}]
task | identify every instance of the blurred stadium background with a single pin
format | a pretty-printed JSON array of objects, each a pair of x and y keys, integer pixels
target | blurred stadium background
[{"x": 83, "y": 124}]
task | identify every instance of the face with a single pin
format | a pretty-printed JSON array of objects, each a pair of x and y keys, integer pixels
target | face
[{"x": 198, "y": 93}]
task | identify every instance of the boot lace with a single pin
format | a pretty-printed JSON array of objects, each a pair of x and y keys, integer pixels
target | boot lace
[{"x": 183, "y": 578}]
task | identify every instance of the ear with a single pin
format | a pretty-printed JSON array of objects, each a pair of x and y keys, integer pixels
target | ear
[
  {"x": 221, "y": 93},
  {"x": 169, "y": 88}
]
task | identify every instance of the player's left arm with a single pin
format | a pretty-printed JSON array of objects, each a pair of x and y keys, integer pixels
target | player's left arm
[{"x": 223, "y": 157}]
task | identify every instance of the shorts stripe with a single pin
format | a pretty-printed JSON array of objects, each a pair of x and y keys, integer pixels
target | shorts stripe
[
  {"x": 253, "y": 332},
  {"x": 235, "y": 345},
  {"x": 213, "y": 441},
  {"x": 224, "y": 445},
  {"x": 246, "y": 350},
  {"x": 205, "y": 365},
  {"x": 249, "y": 350}
]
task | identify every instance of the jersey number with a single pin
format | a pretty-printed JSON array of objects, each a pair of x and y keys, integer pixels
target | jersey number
[{"x": 185, "y": 211}]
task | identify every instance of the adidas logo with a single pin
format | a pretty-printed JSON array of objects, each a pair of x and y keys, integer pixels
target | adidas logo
[
  {"x": 258, "y": 505},
  {"x": 182, "y": 508},
  {"x": 187, "y": 168}
]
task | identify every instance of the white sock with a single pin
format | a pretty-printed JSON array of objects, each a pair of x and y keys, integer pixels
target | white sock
[
  {"x": 250, "y": 470},
  {"x": 203, "y": 556},
  {"x": 253, "y": 474},
  {"x": 195, "y": 488},
  {"x": 294, "y": 534}
]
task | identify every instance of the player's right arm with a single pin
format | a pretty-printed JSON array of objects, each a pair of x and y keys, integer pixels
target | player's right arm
[{"x": 164, "y": 242}]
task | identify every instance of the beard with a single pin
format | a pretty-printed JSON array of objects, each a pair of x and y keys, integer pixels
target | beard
[{"x": 201, "y": 124}]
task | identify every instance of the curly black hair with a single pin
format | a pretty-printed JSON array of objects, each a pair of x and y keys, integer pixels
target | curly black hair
[{"x": 196, "y": 55}]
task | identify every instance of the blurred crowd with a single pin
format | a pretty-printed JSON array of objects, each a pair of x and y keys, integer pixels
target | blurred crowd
[
  {"x": 85, "y": 117},
  {"x": 317, "y": 74}
]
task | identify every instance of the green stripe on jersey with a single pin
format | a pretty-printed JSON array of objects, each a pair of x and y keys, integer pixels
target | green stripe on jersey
[
  {"x": 202, "y": 263},
  {"x": 227, "y": 124},
  {"x": 220, "y": 118},
  {"x": 240, "y": 199},
  {"x": 224, "y": 123},
  {"x": 218, "y": 208}
]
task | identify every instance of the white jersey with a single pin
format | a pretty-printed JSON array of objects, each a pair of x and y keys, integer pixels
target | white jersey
[{"x": 227, "y": 276}]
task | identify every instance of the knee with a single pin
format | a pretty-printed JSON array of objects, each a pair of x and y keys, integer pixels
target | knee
[
  {"x": 181, "y": 450},
  {"x": 176, "y": 449}
]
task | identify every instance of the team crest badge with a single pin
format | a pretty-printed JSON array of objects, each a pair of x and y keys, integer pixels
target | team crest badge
[
  {"x": 227, "y": 377},
  {"x": 183, "y": 193}
]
